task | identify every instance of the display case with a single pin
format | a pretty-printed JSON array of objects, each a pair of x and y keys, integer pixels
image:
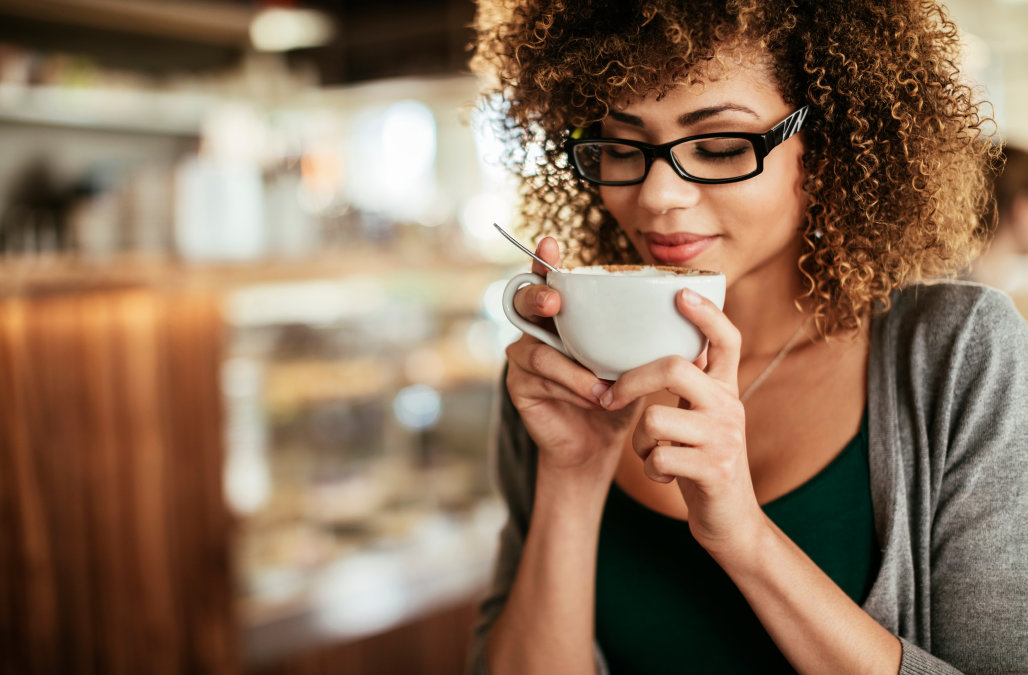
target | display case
[{"x": 358, "y": 412}]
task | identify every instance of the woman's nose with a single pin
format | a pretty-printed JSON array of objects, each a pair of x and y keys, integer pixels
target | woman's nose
[{"x": 663, "y": 189}]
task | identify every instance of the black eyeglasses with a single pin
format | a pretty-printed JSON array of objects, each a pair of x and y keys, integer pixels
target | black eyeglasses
[{"x": 706, "y": 158}]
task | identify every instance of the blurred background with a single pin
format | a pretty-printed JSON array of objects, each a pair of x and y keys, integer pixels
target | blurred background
[{"x": 250, "y": 334}]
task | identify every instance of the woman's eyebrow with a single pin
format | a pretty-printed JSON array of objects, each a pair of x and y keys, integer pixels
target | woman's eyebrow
[{"x": 686, "y": 119}]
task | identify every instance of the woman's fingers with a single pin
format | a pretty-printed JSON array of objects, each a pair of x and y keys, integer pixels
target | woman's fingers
[
  {"x": 554, "y": 375},
  {"x": 527, "y": 389},
  {"x": 668, "y": 462},
  {"x": 661, "y": 423},
  {"x": 665, "y": 459},
  {"x": 549, "y": 251},
  {"x": 677, "y": 443},
  {"x": 723, "y": 350},
  {"x": 701, "y": 360},
  {"x": 537, "y": 300},
  {"x": 673, "y": 374},
  {"x": 544, "y": 372}
]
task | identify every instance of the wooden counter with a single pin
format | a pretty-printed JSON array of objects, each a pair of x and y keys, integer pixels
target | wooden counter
[{"x": 115, "y": 557}]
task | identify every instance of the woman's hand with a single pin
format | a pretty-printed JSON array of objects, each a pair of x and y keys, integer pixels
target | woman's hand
[
  {"x": 702, "y": 442},
  {"x": 557, "y": 398}
]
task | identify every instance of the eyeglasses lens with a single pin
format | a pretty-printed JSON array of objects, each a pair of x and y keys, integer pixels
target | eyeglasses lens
[
  {"x": 718, "y": 158},
  {"x": 610, "y": 162}
]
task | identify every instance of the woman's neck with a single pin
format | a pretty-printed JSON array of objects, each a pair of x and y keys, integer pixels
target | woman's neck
[{"x": 762, "y": 306}]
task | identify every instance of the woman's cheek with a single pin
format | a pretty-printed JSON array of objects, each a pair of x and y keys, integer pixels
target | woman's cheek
[{"x": 618, "y": 203}]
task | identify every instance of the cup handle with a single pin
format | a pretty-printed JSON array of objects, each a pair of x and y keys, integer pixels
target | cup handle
[{"x": 521, "y": 322}]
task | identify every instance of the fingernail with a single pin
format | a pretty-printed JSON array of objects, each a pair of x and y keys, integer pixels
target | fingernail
[
  {"x": 541, "y": 299},
  {"x": 608, "y": 397},
  {"x": 599, "y": 389},
  {"x": 691, "y": 297}
]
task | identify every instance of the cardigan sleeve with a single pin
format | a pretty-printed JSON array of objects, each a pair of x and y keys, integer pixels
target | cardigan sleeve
[
  {"x": 513, "y": 455},
  {"x": 978, "y": 552},
  {"x": 980, "y": 531},
  {"x": 513, "y": 466}
]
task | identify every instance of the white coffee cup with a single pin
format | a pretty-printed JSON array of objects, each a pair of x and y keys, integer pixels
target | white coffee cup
[{"x": 614, "y": 318}]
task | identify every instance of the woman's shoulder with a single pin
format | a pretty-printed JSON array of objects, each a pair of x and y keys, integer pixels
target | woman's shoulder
[
  {"x": 951, "y": 339},
  {"x": 937, "y": 313},
  {"x": 948, "y": 300}
]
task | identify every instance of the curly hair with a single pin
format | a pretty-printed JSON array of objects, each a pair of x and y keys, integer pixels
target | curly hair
[{"x": 898, "y": 149}]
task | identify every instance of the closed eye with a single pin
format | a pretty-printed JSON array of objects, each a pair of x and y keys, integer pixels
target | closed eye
[
  {"x": 715, "y": 150},
  {"x": 615, "y": 151}
]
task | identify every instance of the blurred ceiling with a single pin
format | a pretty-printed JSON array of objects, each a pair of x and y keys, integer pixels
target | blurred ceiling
[
  {"x": 373, "y": 39},
  {"x": 385, "y": 38}
]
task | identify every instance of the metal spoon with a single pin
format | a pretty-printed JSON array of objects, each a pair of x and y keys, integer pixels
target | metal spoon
[{"x": 523, "y": 248}]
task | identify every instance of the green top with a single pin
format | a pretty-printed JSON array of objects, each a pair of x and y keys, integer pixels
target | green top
[{"x": 664, "y": 606}]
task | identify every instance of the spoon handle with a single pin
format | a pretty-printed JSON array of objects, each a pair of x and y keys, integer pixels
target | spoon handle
[{"x": 524, "y": 248}]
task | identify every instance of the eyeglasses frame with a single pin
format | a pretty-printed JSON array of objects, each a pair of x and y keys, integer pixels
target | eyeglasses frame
[{"x": 762, "y": 144}]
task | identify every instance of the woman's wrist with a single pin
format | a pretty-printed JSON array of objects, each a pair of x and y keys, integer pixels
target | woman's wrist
[
  {"x": 585, "y": 460},
  {"x": 583, "y": 485},
  {"x": 747, "y": 550}
]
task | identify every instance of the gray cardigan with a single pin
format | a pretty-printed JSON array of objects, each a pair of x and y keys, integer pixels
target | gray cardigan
[{"x": 948, "y": 423}]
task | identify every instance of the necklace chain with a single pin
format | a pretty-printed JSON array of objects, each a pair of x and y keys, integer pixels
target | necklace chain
[{"x": 779, "y": 357}]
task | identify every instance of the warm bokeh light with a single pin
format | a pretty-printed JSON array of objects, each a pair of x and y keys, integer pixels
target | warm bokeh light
[{"x": 279, "y": 29}]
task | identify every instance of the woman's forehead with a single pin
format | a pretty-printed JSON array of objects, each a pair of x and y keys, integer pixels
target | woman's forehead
[{"x": 742, "y": 86}]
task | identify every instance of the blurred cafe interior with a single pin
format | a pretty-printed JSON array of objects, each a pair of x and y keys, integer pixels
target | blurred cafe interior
[{"x": 250, "y": 329}]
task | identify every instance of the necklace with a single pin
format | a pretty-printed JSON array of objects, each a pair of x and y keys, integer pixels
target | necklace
[{"x": 779, "y": 357}]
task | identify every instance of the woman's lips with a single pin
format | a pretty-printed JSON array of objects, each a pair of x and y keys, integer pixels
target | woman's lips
[{"x": 677, "y": 249}]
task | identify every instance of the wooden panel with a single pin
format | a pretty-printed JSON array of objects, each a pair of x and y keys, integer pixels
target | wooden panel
[{"x": 115, "y": 555}]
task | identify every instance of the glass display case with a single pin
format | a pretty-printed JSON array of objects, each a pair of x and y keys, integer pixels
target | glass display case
[{"x": 358, "y": 411}]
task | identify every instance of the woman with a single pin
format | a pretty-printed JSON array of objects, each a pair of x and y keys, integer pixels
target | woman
[{"x": 839, "y": 483}]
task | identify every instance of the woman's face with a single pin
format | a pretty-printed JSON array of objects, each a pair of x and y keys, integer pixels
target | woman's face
[{"x": 739, "y": 229}]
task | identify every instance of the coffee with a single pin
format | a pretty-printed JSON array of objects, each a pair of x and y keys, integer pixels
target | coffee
[{"x": 645, "y": 270}]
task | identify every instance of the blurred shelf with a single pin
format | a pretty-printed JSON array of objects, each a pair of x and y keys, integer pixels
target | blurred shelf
[
  {"x": 53, "y": 272},
  {"x": 96, "y": 109}
]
